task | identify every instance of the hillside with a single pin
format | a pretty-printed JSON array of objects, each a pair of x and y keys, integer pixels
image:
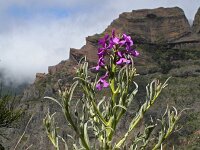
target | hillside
[{"x": 168, "y": 46}]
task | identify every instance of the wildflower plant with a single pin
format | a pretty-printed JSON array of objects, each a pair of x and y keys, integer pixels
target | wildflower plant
[{"x": 95, "y": 121}]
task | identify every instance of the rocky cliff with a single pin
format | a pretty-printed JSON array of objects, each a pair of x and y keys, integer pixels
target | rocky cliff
[
  {"x": 168, "y": 47},
  {"x": 153, "y": 26},
  {"x": 196, "y": 23}
]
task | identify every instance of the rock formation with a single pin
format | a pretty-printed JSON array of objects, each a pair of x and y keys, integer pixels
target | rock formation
[
  {"x": 196, "y": 23},
  {"x": 167, "y": 44},
  {"x": 153, "y": 25}
]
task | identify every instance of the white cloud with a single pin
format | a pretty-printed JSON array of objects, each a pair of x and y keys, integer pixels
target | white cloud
[
  {"x": 30, "y": 45},
  {"x": 33, "y": 46}
]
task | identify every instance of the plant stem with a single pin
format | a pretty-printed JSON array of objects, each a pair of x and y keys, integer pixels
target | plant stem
[{"x": 68, "y": 117}]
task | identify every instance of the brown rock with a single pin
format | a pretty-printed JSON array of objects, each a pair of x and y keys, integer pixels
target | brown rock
[
  {"x": 53, "y": 69},
  {"x": 196, "y": 23},
  {"x": 39, "y": 76},
  {"x": 153, "y": 25},
  {"x": 89, "y": 50}
]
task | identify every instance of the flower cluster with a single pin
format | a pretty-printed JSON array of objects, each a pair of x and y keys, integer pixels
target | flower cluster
[
  {"x": 117, "y": 47},
  {"x": 102, "y": 82}
]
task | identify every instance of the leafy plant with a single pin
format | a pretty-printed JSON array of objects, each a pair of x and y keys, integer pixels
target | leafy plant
[
  {"x": 8, "y": 114},
  {"x": 93, "y": 118}
]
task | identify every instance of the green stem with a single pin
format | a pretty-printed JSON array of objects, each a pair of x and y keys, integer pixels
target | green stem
[
  {"x": 132, "y": 127},
  {"x": 169, "y": 131},
  {"x": 98, "y": 113},
  {"x": 137, "y": 120},
  {"x": 112, "y": 121},
  {"x": 68, "y": 117}
]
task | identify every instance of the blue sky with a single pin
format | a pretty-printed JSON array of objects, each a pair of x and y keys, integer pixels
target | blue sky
[{"x": 35, "y": 34}]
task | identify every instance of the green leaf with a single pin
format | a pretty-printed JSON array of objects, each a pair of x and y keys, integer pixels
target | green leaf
[
  {"x": 86, "y": 134},
  {"x": 71, "y": 91},
  {"x": 53, "y": 99},
  {"x": 120, "y": 106}
]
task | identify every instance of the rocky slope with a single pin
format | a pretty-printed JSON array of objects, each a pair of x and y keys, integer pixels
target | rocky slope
[{"x": 168, "y": 47}]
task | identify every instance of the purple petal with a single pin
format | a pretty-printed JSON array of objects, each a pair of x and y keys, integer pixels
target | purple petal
[
  {"x": 124, "y": 36},
  {"x": 101, "y": 62},
  {"x": 101, "y": 53},
  {"x": 102, "y": 82},
  {"x": 105, "y": 76},
  {"x": 115, "y": 40},
  {"x": 99, "y": 87},
  {"x": 122, "y": 42},
  {"x": 120, "y": 61},
  {"x": 97, "y": 67},
  {"x": 102, "y": 41},
  {"x": 119, "y": 53},
  {"x": 110, "y": 45},
  {"x": 128, "y": 47},
  {"x": 128, "y": 61},
  {"x": 106, "y": 37},
  {"x": 135, "y": 53},
  {"x": 123, "y": 60},
  {"x": 127, "y": 39},
  {"x": 105, "y": 84}
]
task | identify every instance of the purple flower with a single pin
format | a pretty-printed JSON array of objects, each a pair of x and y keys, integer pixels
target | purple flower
[
  {"x": 105, "y": 45},
  {"x": 97, "y": 67},
  {"x": 135, "y": 53},
  {"x": 114, "y": 40},
  {"x": 122, "y": 47},
  {"x": 123, "y": 61},
  {"x": 126, "y": 41},
  {"x": 100, "y": 63},
  {"x": 102, "y": 83},
  {"x": 103, "y": 41},
  {"x": 101, "y": 52},
  {"x": 119, "y": 53}
]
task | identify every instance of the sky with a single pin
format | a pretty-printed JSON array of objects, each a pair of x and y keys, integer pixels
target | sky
[{"x": 35, "y": 34}]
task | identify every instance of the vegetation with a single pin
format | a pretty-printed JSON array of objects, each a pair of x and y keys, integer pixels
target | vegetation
[
  {"x": 95, "y": 121},
  {"x": 8, "y": 113}
]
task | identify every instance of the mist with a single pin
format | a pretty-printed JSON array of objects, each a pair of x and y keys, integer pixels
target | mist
[{"x": 31, "y": 47}]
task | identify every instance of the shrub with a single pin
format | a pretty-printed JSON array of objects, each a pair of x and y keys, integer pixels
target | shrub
[{"x": 93, "y": 118}]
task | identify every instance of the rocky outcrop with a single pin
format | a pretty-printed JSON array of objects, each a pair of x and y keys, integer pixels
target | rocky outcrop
[
  {"x": 63, "y": 66},
  {"x": 153, "y": 25},
  {"x": 89, "y": 50},
  {"x": 53, "y": 69},
  {"x": 196, "y": 23},
  {"x": 39, "y": 76},
  {"x": 167, "y": 26}
]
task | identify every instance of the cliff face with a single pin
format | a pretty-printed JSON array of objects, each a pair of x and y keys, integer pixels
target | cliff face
[
  {"x": 196, "y": 23},
  {"x": 153, "y": 26},
  {"x": 149, "y": 26},
  {"x": 168, "y": 47}
]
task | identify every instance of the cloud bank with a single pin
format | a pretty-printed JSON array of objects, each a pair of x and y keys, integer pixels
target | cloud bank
[{"x": 35, "y": 34}]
